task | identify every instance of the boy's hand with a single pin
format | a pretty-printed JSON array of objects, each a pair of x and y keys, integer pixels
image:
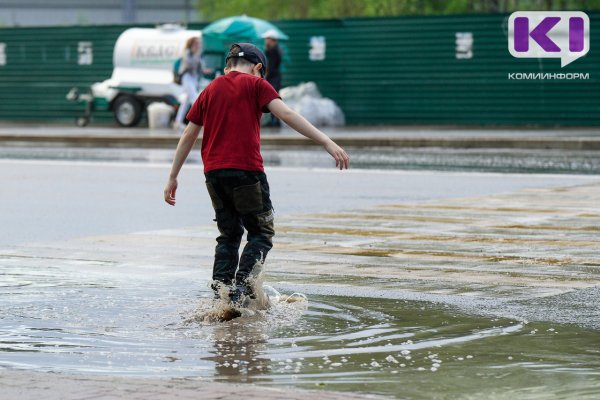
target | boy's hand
[
  {"x": 170, "y": 190},
  {"x": 186, "y": 142},
  {"x": 339, "y": 155},
  {"x": 302, "y": 126}
]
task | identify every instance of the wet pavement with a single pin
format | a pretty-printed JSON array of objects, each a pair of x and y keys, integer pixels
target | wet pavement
[
  {"x": 33, "y": 386},
  {"x": 64, "y": 199},
  {"x": 358, "y": 131},
  {"x": 510, "y": 254},
  {"x": 423, "y": 278},
  {"x": 531, "y": 161},
  {"x": 491, "y": 295},
  {"x": 390, "y": 138}
]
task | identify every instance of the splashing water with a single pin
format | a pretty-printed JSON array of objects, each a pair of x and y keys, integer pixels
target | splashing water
[{"x": 265, "y": 298}]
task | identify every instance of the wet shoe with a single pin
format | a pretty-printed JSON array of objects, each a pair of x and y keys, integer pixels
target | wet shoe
[
  {"x": 240, "y": 295},
  {"x": 218, "y": 288}
]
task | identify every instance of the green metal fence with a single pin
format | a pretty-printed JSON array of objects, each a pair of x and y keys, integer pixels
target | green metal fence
[{"x": 379, "y": 70}]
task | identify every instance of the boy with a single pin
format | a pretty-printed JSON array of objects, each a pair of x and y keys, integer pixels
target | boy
[{"x": 229, "y": 112}]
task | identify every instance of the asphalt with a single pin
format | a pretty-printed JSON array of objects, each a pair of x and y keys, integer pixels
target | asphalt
[
  {"x": 584, "y": 139},
  {"x": 69, "y": 198},
  {"x": 526, "y": 253},
  {"x": 528, "y": 256},
  {"x": 35, "y": 385}
]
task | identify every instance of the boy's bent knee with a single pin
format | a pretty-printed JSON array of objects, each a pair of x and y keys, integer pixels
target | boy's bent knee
[
  {"x": 229, "y": 225},
  {"x": 260, "y": 224}
]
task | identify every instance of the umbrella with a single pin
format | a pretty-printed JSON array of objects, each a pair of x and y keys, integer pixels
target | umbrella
[{"x": 223, "y": 32}]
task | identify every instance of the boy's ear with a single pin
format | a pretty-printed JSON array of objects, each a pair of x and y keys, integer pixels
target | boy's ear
[
  {"x": 226, "y": 70},
  {"x": 257, "y": 68}
]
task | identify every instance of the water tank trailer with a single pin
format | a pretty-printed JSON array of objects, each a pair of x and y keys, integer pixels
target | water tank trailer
[{"x": 143, "y": 60}]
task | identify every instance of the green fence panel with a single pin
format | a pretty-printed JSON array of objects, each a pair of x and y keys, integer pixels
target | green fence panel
[
  {"x": 405, "y": 71},
  {"x": 379, "y": 70},
  {"x": 42, "y": 65}
]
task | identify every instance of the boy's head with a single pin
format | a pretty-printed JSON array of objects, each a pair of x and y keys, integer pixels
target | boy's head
[{"x": 246, "y": 56}]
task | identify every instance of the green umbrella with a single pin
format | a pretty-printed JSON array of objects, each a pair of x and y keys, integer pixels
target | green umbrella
[{"x": 221, "y": 33}]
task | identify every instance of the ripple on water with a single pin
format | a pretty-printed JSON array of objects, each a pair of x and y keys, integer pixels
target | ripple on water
[{"x": 141, "y": 325}]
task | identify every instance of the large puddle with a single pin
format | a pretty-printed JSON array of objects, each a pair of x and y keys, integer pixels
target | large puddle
[{"x": 85, "y": 318}]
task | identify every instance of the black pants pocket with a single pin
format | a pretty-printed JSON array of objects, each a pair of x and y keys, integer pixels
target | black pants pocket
[{"x": 248, "y": 199}]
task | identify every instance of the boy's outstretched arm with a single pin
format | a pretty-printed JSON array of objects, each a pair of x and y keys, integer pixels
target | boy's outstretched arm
[
  {"x": 185, "y": 145},
  {"x": 302, "y": 126}
]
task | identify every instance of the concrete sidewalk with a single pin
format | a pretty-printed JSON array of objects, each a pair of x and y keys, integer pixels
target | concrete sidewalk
[
  {"x": 36, "y": 385},
  {"x": 373, "y": 136}
]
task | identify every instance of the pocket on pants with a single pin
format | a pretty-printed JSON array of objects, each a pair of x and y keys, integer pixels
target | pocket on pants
[
  {"x": 247, "y": 199},
  {"x": 214, "y": 197},
  {"x": 265, "y": 223},
  {"x": 266, "y": 218}
]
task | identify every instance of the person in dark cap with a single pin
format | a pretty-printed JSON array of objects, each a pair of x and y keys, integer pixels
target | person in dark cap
[
  {"x": 228, "y": 111},
  {"x": 273, "y": 74}
]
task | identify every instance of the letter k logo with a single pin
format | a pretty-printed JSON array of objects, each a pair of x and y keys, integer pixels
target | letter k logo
[
  {"x": 553, "y": 34},
  {"x": 539, "y": 34}
]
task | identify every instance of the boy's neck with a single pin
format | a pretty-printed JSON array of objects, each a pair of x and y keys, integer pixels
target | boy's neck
[{"x": 243, "y": 70}]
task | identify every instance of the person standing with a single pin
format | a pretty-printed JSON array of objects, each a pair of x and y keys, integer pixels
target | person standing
[
  {"x": 273, "y": 71},
  {"x": 190, "y": 70}
]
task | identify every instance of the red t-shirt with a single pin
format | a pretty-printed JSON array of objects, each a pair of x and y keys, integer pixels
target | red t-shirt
[{"x": 230, "y": 109}]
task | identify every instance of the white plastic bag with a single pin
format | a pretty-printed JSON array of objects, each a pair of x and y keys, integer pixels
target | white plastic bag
[{"x": 306, "y": 99}]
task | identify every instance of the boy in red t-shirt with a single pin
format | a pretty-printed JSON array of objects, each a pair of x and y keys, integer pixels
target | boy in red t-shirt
[{"x": 228, "y": 112}]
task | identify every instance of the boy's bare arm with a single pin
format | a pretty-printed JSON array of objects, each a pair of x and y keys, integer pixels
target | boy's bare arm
[
  {"x": 185, "y": 145},
  {"x": 302, "y": 126}
]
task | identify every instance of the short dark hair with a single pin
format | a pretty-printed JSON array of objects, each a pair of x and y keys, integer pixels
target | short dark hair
[{"x": 236, "y": 60}]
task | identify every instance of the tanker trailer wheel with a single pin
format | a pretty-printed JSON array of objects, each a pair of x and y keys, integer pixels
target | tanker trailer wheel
[{"x": 127, "y": 110}]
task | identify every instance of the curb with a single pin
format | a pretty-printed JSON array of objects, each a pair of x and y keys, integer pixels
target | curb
[{"x": 170, "y": 141}]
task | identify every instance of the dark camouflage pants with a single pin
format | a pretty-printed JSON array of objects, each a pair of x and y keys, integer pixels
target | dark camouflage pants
[{"x": 241, "y": 200}]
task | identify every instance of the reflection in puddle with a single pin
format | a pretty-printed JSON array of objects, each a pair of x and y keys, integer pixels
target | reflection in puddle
[{"x": 101, "y": 320}]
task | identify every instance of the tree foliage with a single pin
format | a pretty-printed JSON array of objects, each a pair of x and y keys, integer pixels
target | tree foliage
[{"x": 308, "y": 9}]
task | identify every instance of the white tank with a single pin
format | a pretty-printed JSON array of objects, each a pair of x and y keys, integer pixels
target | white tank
[
  {"x": 144, "y": 57},
  {"x": 148, "y": 48},
  {"x": 143, "y": 61}
]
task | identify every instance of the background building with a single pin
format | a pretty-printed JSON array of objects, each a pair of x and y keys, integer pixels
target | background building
[{"x": 14, "y": 13}]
